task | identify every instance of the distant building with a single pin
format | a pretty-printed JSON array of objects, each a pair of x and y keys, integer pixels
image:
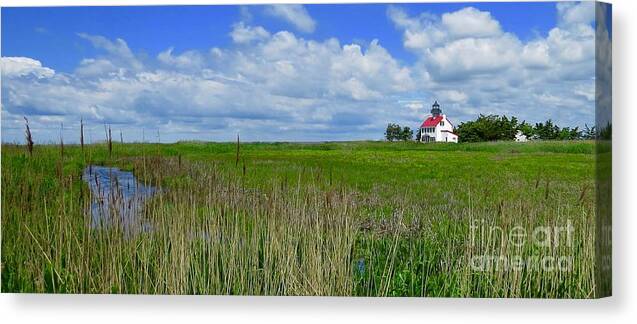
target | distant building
[
  {"x": 520, "y": 137},
  {"x": 437, "y": 128}
]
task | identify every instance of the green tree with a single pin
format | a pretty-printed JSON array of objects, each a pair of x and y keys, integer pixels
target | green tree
[
  {"x": 567, "y": 133},
  {"x": 488, "y": 128},
  {"x": 393, "y": 132},
  {"x": 526, "y": 129},
  {"x": 589, "y": 132},
  {"x": 547, "y": 130},
  {"x": 406, "y": 134}
]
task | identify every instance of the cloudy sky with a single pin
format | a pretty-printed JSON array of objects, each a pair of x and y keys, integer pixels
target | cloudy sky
[{"x": 293, "y": 72}]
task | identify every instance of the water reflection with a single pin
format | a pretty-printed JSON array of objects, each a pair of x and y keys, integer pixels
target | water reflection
[{"x": 117, "y": 198}]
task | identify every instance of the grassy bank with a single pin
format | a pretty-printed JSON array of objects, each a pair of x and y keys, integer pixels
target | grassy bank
[{"x": 350, "y": 218}]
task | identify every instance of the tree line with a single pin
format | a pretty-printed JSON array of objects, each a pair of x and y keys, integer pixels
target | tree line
[{"x": 502, "y": 128}]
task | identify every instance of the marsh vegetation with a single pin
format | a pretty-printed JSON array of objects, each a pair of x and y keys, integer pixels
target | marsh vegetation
[{"x": 350, "y": 218}]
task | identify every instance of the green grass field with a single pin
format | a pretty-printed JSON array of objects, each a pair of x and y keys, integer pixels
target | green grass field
[{"x": 350, "y": 218}]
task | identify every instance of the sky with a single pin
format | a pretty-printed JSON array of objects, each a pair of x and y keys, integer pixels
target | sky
[{"x": 294, "y": 72}]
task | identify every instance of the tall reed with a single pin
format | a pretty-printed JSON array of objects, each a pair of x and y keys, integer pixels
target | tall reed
[
  {"x": 82, "y": 133},
  {"x": 29, "y": 138},
  {"x": 110, "y": 142}
]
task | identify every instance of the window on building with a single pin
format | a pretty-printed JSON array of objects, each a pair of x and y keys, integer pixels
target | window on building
[{"x": 442, "y": 123}]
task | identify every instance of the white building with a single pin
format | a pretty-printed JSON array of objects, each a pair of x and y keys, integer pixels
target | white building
[
  {"x": 520, "y": 137},
  {"x": 437, "y": 128}
]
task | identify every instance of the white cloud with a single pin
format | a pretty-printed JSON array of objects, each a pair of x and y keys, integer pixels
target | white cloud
[
  {"x": 285, "y": 64},
  {"x": 426, "y": 31},
  {"x": 356, "y": 89},
  {"x": 414, "y": 105},
  {"x": 242, "y": 34},
  {"x": 470, "y": 22},
  {"x": 458, "y": 44},
  {"x": 295, "y": 14},
  {"x": 24, "y": 66},
  {"x": 572, "y": 45},
  {"x": 586, "y": 91},
  {"x": 280, "y": 81},
  {"x": 469, "y": 43},
  {"x": 474, "y": 56},
  {"x": 572, "y": 13},
  {"x": 118, "y": 50},
  {"x": 187, "y": 60},
  {"x": 452, "y": 96},
  {"x": 95, "y": 67},
  {"x": 282, "y": 45},
  {"x": 536, "y": 54},
  {"x": 375, "y": 66},
  {"x": 420, "y": 32}
]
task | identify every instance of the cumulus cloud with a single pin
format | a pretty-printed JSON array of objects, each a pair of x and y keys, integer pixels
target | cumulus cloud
[
  {"x": 118, "y": 50},
  {"x": 425, "y": 30},
  {"x": 573, "y": 13},
  {"x": 243, "y": 34},
  {"x": 452, "y": 96},
  {"x": 470, "y": 56},
  {"x": 294, "y": 14},
  {"x": 536, "y": 54},
  {"x": 296, "y": 87},
  {"x": 24, "y": 66},
  {"x": 415, "y": 105},
  {"x": 459, "y": 43},
  {"x": 470, "y": 22},
  {"x": 188, "y": 60},
  {"x": 285, "y": 64},
  {"x": 419, "y": 32},
  {"x": 572, "y": 45},
  {"x": 91, "y": 67}
]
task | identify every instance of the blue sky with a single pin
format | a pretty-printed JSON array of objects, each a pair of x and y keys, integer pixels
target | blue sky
[
  {"x": 48, "y": 33},
  {"x": 292, "y": 72}
]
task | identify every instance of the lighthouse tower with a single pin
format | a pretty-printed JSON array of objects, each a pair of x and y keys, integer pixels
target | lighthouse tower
[
  {"x": 437, "y": 128},
  {"x": 435, "y": 109}
]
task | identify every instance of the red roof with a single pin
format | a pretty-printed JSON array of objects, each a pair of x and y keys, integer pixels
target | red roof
[{"x": 431, "y": 121}]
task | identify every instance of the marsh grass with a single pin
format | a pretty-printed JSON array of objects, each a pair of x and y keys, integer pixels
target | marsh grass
[{"x": 360, "y": 219}]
